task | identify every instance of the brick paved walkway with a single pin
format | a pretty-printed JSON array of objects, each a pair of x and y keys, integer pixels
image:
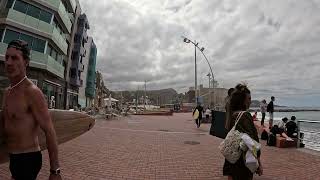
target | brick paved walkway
[{"x": 163, "y": 147}]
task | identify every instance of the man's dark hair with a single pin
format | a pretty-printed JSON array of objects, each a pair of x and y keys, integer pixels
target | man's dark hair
[
  {"x": 272, "y": 97},
  {"x": 22, "y": 46},
  {"x": 293, "y": 118},
  {"x": 285, "y": 119},
  {"x": 238, "y": 97},
  {"x": 230, "y": 91}
]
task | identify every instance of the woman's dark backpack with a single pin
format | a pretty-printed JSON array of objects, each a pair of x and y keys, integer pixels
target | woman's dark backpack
[
  {"x": 271, "y": 140},
  {"x": 264, "y": 135}
]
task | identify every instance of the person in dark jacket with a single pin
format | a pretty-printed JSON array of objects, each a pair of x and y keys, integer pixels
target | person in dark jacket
[
  {"x": 240, "y": 101},
  {"x": 292, "y": 128},
  {"x": 270, "y": 109},
  {"x": 200, "y": 109}
]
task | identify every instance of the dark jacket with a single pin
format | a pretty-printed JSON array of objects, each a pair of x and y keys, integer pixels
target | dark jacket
[
  {"x": 270, "y": 107},
  {"x": 291, "y": 128},
  {"x": 200, "y": 109}
]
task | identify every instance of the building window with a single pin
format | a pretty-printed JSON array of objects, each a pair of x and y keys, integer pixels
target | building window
[
  {"x": 45, "y": 16},
  {"x": 33, "y": 11},
  {"x": 10, "y": 36},
  {"x": 49, "y": 48},
  {"x": 34, "y": 43},
  {"x": 57, "y": 26},
  {"x": 60, "y": 58},
  {"x": 9, "y": 4},
  {"x": 54, "y": 54},
  {"x": 38, "y": 45},
  {"x": 27, "y": 38},
  {"x": 1, "y": 33},
  {"x": 21, "y": 6}
]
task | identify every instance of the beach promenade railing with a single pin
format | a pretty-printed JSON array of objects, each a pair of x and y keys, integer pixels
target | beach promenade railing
[{"x": 307, "y": 131}]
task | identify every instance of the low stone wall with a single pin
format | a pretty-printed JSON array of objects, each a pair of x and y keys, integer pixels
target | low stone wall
[{"x": 168, "y": 113}]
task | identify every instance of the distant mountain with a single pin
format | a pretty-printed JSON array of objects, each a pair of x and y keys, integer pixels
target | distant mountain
[
  {"x": 256, "y": 103},
  {"x": 162, "y": 96}
]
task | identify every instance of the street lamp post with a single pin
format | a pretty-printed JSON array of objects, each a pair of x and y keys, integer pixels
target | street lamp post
[
  {"x": 209, "y": 75},
  {"x": 186, "y": 40}
]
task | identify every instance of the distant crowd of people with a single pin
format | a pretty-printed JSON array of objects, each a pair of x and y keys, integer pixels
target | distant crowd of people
[
  {"x": 285, "y": 128},
  {"x": 239, "y": 118},
  {"x": 264, "y": 108}
]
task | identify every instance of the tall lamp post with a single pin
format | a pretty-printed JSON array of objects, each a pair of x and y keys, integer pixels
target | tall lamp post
[
  {"x": 209, "y": 75},
  {"x": 186, "y": 40}
]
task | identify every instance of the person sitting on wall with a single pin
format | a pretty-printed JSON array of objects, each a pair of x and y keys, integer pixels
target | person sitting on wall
[
  {"x": 292, "y": 128},
  {"x": 280, "y": 129},
  {"x": 282, "y": 124}
]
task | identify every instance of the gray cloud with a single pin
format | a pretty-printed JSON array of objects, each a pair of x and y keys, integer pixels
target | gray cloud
[{"x": 272, "y": 45}]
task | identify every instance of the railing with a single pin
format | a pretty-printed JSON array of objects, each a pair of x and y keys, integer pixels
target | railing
[{"x": 307, "y": 131}]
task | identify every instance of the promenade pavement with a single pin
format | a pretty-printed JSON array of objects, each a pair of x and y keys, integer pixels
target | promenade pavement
[{"x": 163, "y": 147}]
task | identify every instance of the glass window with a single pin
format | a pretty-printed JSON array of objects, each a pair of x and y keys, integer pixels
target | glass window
[
  {"x": 59, "y": 58},
  {"x": 55, "y": 23},
  {"x": 27, "y": 38},
  {"x": 9, "y": 4},
  {"x": 45, "y": 16},
  {"x": 33, "y": 11},
  {"x": 1, "y": 32},
  {"x": 20, "y": 6},
  {"x": 38, "y": 45},
  {"x": 10, "y": 36},
  {"x": 54, "y": 54},
  {"x": 49, "y": 50}
]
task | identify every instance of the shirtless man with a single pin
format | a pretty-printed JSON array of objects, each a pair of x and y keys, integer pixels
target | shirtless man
[{"x": 24, "y": 113}]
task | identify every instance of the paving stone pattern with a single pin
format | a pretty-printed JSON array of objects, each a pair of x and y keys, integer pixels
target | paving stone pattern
[{"x": 163, "y": 147}]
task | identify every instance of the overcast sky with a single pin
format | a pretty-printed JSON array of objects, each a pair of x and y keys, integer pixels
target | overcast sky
[{"x": 272, "y": 45}]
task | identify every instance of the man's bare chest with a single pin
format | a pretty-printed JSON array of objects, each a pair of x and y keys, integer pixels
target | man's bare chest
[{"x": 16, "y": 106}]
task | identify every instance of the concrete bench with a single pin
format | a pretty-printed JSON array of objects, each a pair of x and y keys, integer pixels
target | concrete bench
[{"x": 281, "y": 142}]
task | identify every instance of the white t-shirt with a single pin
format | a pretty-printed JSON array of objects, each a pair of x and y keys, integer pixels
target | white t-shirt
[
  {"x": 282, "y": 125},
  {"x": 208, "y": 112}
]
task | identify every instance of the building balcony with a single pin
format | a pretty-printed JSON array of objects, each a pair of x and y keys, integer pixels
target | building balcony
[
  {"x": 40, "y": 61},
  {"x": 75, "y": 82},
  {"x": 58, "y": 6},
  {"x": 71, "y": 5},
  {"x": 36, "y": 25}
]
